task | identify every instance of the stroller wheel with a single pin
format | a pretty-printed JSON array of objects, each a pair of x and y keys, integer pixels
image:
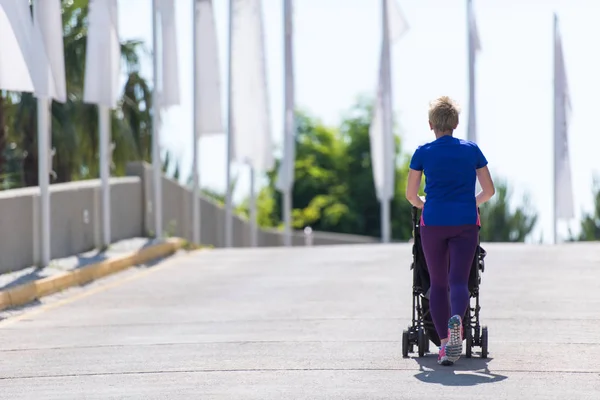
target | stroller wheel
[
  {"x": 405, "y": 344},
  {"x": 484, "y": 342},
  {"x": 468, "y": 342},
  {"x": 422, "y": 342}
]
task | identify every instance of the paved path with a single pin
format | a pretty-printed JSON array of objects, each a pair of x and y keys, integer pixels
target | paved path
[
  {"x": 60, "y": 265},
  {"x": 307, "y": 323}
]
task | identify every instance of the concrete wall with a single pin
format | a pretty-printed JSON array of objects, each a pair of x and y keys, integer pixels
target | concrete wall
[
  {"x": 177, "y": 218},
  {"x": 75, "y": 219},
  {"x": 76, "y": 222}
]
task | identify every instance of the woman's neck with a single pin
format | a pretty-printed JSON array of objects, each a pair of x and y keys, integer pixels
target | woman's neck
[{"x": 440, "y": 134}]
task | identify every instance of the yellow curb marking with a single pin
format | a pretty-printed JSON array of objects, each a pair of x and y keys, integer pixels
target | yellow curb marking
[
  {"x": 46, "y": 307},
  {"x": 28, "y": 292}
]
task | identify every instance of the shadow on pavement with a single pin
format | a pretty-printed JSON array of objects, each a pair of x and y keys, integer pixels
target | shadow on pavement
[
  {"x": 466, "y": 372},
  {"x": 78, "y": 261},
  {"x": 97, "y": 256},
  {"x": 85, "y": 260},
  {"x": 25, "y": 278}
]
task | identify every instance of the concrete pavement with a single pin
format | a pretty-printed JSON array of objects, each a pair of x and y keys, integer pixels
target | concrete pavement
[
  {"x": 24, "y": 288},
  {"x": 306, "y": 323}
]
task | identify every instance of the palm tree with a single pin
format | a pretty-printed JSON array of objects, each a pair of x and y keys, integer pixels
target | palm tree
[
  {"x": 75, "y": 124},
  {"x": 11, "y": 157}
]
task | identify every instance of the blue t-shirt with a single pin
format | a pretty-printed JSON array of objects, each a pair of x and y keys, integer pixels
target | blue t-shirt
[{"x": 449, "y": 165}]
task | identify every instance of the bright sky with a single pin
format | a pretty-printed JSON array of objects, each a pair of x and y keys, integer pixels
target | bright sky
[{"x": 336, "y": 55}]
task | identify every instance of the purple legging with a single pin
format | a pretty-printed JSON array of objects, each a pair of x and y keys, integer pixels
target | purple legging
[{"x": 449, "y": 252}]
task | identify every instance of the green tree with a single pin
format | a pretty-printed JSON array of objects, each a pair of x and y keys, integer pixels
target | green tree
[
  {"x": 10, "y": 156},
  {"x": 499, "y": 223},
  {"x": 590, "y": 224},
  {"x": 320, "y": 186},
  {"x": 317, "y": 186},
  {"x": 362, "y": 197},
  {"x": 334, "y": 189},
  {"x": 75, "y": 124}
]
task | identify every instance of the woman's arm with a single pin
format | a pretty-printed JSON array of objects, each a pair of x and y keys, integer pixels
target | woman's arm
[
  {"x": 487, "y": 186},
  {"x": 412, "y": 188}
]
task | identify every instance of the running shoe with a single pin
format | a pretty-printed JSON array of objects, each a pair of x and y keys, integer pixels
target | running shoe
[
  {"x": 443, "y": 358},
  {"x": 455, "y": 333}
]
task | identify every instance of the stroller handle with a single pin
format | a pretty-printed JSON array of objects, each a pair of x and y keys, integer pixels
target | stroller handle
[{"x": 414, "y": 215}]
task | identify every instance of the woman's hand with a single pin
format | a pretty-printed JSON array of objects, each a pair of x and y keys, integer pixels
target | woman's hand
[{"x": 420, "y": 203}]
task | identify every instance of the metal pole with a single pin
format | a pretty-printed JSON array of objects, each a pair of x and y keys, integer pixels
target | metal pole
[
  {"x": 287, "y": 217},
  {"x": 156, "y": 163},
  {"x": 43, "y": 115},
  {"x": 387, "y": 132},
  {"x": 230, "y": 133},
  {"x": 385, "y": 221},
  {"x": 308, "y": 236},
  {"x": 472, "y": 123},
  {"x": 195, "y": 173},
  {"x": 289, "y": 128},
  {"x": 556, "y": 123},
  {"x": 253, "y": 211},
  {"x": 471, "y": 128},
  {"x": 104, "y": 138}
]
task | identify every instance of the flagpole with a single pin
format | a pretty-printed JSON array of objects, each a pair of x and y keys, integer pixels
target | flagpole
[
  {"x": 288, "y": 160},
  {"x": 471, "y": 132},
  {"x": 156, "y": 163},
  {"x": 253, "y": 211},
  {"x": 195, "y": 173},
  {"x": 44, "y": 160},
  {"x": 472, "y": 123},
  {"x": 555, "y": 170},
  {"x": 230, "y": 133},
  {"x": 104, "y": 138},
  {"x": 387, "y": 128},
  {"x": 287, "y": 217}
]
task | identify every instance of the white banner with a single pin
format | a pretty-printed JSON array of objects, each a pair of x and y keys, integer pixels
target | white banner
[
  {"x": 381, "y": 131},
  {"x": 209, "y": 113},
  {"x": 16, "y": 27},
  {"x": 48, "y": 51},
  {"x": 168, "y": 91},
  {"x": 103, "y": 54},
  {"x": 252, "y": 141},
  {"x": 563, "y": 186},
  {"x": 31, "y": 51}
]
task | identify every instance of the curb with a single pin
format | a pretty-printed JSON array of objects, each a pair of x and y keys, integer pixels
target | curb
[{"x": 28, "y": 292}]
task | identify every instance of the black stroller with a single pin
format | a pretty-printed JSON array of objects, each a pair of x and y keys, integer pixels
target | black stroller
[{"x": 422, "y": 329}]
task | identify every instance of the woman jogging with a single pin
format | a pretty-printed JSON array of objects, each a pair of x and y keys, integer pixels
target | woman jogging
[{"x": 449, "y": 220}]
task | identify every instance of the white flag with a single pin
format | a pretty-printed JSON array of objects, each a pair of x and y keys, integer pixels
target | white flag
[
  {"x": 380, "y": 132},
  {"x": 209, "y": 114},
  {"x": 48, "y": 50},
  {"x": 287, "y": 168},
  {"x": 16, "y": 27},
  {"x": 474, "y": 46},
  {"x": 563, "y": 187},
  {"x": 252, "y": 141},
  {"x": 41, "y": 47},
  {"x": 397, "y": 24},
  {"x": 168, "y": 90},
  {"x": 103, "y": 54}
]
